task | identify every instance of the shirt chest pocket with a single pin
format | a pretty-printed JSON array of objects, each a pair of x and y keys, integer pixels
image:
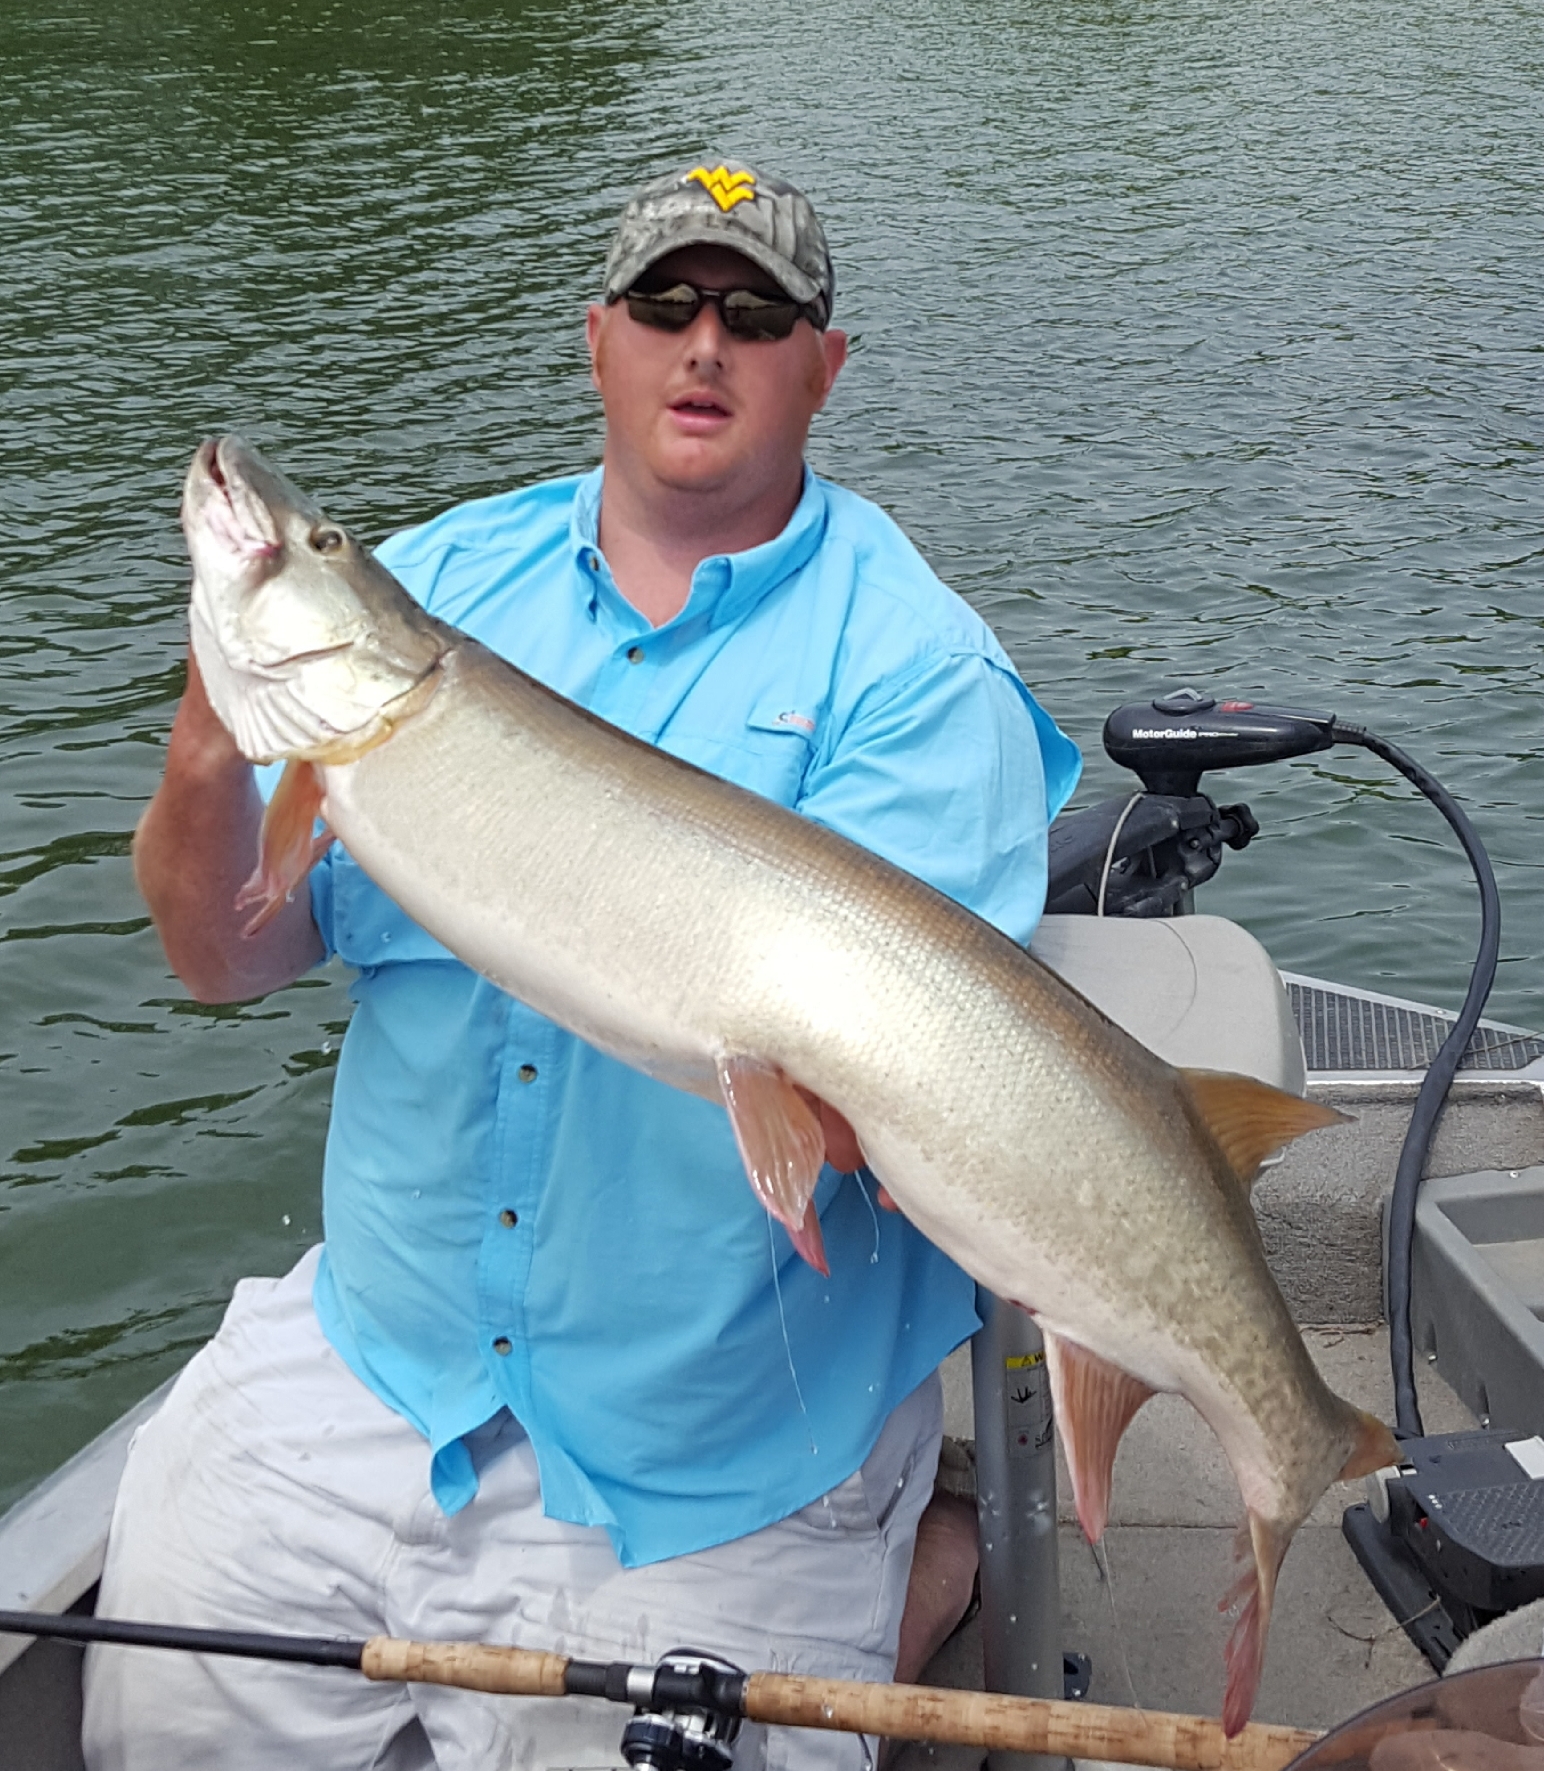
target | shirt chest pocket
[
  {"x": 769, "y": 754},
  {"x": 369, "y": 928}
]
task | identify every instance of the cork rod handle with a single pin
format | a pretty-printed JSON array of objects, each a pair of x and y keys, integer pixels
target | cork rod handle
[
  {"x": 474, "y": 1666},
  {"x": 898, "y": 1712},
  {"x": 1022, "y": 1724}
]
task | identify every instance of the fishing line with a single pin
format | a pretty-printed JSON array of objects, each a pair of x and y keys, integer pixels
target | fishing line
[
  {"x": 863, "y": 1176},
  {"x": 782, "y": 1317},
  {"x": 1101, "y": 1555}
]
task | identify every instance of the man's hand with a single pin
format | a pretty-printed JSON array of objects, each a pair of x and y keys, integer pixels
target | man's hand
[{"x": 193, "y": 850}]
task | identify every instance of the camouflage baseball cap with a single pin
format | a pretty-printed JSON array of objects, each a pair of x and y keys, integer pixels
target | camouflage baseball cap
[{"x": 764, "y": 219}]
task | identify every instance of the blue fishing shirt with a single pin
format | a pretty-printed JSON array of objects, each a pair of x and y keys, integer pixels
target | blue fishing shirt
[{"x": 514, "y": 1220}]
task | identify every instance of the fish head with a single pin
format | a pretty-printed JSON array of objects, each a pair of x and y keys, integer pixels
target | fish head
[{"x": 304, "y": 641}]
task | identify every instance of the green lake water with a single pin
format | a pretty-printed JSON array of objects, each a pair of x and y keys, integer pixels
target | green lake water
[{"x": 1195, "y": 341}]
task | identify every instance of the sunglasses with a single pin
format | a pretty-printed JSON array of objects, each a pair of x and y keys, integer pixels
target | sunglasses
[{"x": 745, "y": 314}]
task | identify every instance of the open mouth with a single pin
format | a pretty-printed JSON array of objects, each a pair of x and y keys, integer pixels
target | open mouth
[
  {"x": 227, "y": 511},
  {"x": 699, "y": 406}
]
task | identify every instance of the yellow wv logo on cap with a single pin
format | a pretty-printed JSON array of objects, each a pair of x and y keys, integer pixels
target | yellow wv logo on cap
[{"x": 726, "y": 188}]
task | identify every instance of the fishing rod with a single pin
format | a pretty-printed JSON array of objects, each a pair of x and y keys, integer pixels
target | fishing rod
[{"x": 690, "y": 1684}]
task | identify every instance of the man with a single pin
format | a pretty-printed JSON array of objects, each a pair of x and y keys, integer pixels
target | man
[{"x": 554, "y": 1377}]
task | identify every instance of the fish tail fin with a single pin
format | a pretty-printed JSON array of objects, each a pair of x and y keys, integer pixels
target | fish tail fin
[
  {"x": 289, "y": 846},
  {"x": 1260, "y": 1546},
  {"x": 1094, "y": 1403},
  {"x": 1373, "y": 1448}
]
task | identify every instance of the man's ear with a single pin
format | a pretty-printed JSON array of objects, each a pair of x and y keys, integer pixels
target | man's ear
[
  {"x": 594, "y": 319},
  {"x": 833, "y": 345}
]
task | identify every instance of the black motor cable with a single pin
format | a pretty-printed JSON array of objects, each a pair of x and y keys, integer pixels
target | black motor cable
[{"x": 1432, "y": 1096}]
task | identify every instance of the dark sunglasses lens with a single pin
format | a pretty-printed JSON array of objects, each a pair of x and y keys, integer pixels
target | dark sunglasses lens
[
  {"x": 753, "y": 316},
  {"x": 746, "y": 314},
  {"x": 671, "y": 310}
]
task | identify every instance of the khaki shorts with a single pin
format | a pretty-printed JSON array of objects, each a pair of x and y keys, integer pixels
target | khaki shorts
[{"x": 274, "y": 1492}]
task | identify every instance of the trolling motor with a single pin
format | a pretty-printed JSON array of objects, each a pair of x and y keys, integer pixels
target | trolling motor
[{"x": 1144, "y": 855}]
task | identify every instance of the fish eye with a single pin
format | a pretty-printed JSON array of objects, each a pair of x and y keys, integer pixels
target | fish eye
[{"x": 326, "y": 540}]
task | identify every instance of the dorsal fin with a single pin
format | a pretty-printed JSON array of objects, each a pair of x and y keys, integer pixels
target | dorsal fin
[{"x": 1251, "y": 1120}]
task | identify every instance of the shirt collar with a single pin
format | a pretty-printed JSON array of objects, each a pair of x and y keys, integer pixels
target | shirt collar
[{"x": 725, "y": 586}]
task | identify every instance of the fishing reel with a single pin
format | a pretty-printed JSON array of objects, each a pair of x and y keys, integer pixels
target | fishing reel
[{"x": 684, "y": 1736}]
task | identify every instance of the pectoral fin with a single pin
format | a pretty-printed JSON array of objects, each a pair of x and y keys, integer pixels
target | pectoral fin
[
  {"x": 1251, "y": 1120},
  {"x": 1094, "y": 1402},
  {"x": 289, "y": 847},
  {"x": 782, "y": 1146}
]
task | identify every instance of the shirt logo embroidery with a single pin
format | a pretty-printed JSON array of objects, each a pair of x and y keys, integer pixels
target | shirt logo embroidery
[
  {"x": 726, "y": 188},
  {"x": 801, "y": 721}
]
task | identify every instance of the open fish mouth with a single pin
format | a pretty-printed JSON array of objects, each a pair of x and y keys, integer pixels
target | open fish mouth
[
  {"x": 303, "y": 654},
  {"x": 223, "y": 502}
]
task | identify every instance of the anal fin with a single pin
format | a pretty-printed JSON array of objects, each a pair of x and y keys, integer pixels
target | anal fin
[
  {"x": 289, "y": 846},
  {"x": 1095, "y": 1402},
  {"x": 782, "y": 1146}
]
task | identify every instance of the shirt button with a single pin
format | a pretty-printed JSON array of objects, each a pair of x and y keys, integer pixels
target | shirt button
[
  {"x": 503, "y": 1345},
  {"x": 526, "y": 1073},
  {"x": 509, "y": 1218},
  {"x": 635, "y": 654}
]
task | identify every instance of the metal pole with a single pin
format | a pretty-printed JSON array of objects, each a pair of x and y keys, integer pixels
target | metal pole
[{"x": 1021, "y": 1627}]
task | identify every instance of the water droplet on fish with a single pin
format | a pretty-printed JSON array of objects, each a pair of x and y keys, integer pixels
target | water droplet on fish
[
  {"x": 418, "y": 1192},
  {"x": 1013, "y": 1617},
  {"x": 827, "y": 1711},
  {"x": 285, "y": 1220},
  {"x": 326, "y": 1047}
]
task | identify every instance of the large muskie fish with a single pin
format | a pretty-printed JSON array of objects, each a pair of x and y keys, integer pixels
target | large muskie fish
[{"x": 729, "y": 947}]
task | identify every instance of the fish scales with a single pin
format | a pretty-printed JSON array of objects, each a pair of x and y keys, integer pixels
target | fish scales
[{"x": 689, "y": 927}]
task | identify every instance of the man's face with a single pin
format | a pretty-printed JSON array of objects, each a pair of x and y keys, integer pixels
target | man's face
[{"x": 699, "y": 410}]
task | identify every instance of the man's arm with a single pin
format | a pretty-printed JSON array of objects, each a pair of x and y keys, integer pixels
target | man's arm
[{"x": 193, "y": 850}]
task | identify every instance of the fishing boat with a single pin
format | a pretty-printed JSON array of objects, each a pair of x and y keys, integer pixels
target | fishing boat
[{"x": 1201, "y": 991}]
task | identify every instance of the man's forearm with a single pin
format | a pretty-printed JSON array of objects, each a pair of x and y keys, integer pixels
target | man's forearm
[{"x": 194, "y": 849}]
